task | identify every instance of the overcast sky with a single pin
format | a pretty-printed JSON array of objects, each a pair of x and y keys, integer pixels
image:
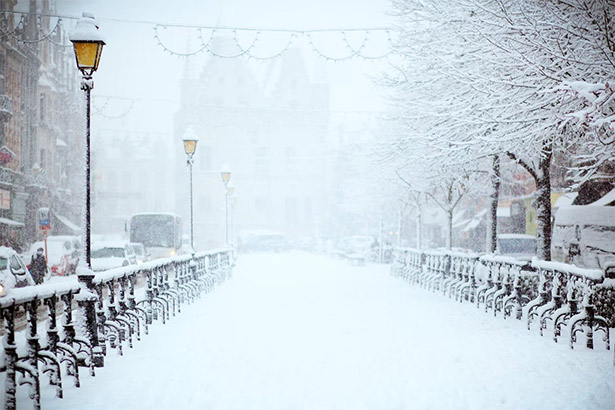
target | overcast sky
[{"x": 134, "y": 66}]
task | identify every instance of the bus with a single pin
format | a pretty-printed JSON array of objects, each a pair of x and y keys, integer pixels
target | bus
[{"x": 161, "y": 233}]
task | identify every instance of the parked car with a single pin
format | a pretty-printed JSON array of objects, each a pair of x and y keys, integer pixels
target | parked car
[
  {"x": 519, "y": 246},
  {"x": 141, "y": 254},
  {"x": 109, "y": 255},
  {"x": 62, "y": 253},
  {"x": 363, "y": 245},
  {"x": 584, "y": 235},
  {"x": 265, "y": 242},
  {"x": 13, "y": 271}
]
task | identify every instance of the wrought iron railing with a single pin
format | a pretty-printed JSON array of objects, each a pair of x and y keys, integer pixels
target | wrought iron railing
[
  {"x": 554, "y": 295},
  {"x": 96, "y": 313}
]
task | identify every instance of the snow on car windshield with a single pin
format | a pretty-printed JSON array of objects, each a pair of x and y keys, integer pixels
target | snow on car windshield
[
  {"x": 517, "y": 245},
  {"x": 108, "y": 253}
]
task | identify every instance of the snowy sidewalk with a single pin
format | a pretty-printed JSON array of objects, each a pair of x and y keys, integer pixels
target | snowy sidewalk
[{"x": 296, "y": 331}]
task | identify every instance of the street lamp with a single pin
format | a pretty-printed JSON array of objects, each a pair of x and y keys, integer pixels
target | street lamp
[
  {"x": 88, "y": 43},
  {"x": 190, "y": 140},
  {"x": 225, "y": 173},
  {"x": 232, "y": 223}
]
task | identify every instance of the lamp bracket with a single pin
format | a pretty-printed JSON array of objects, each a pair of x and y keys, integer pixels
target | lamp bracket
[{"x": 87, "y": 83}]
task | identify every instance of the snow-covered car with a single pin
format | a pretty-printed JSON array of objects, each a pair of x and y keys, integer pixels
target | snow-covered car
[
  {"x": 109, "y": 255},
  {"x": 13, "y": 272},
  {"x": 141, "y": 254},
  {"x": 62, "y": 253},
  {"x": 265, "y": 242},
  {"x": 361, "y": 245},
  {"x": 519, "y": 246},
  {"x": 584, "y": 235}
]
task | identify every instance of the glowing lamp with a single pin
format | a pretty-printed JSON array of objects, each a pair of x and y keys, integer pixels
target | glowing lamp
[{"x": 88, "y": 43}]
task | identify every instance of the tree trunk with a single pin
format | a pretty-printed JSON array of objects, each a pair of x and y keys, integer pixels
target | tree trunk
[
  {"x": 449, "y": 237},
  {"x": 492, "y": 217},
  {"x": 543, "y": 202},
  {"x": 399, "y": 220},
  {"x": 419, "y": 232}
]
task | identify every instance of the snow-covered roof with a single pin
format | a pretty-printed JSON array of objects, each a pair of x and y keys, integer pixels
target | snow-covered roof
[
  {"x": 515, "y": 236},
  {"x": 565, "y": 200},
  {"x": 155, "y": 213},
  {"x": 6, "y": 252},
  {"x": 108, "y": 244},
  {"x": 585, "y": 215},
  {"x": 68, "y": 223},
  {"x": 607, "y": 199},
  {"x": 475, "y": 221},
  {"x": 10, "y": 222}
]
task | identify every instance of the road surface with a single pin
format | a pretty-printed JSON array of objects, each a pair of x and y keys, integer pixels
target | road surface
[{"x": 298, "y": 331}]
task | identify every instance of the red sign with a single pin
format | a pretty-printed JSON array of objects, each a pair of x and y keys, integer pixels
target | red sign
[{"x": 6, "y": 155}]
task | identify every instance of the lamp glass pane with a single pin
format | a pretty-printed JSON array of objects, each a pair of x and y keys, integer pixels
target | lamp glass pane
[
  {"x": 190, "y": 146},
  {"x": 226, "y": 176},
  {"x": 87, "y": 55}
]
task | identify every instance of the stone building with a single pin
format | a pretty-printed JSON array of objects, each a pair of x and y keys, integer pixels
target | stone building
[
  {"x": 271, "y": 133},
  {"x": 41, "y": 123}
]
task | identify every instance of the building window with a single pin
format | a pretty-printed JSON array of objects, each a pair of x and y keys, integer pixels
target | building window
[{"x": 42, "y": 108}]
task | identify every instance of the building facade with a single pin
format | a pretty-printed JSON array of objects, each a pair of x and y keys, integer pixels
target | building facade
[
  {"x": 271, "y": 133},
  {"x": 41, "y": 124}
]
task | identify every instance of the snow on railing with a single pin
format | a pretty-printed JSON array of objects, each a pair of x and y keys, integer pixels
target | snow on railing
[
  {"x": 101, "y": 311},
  {"x": 557, "y": 295}
]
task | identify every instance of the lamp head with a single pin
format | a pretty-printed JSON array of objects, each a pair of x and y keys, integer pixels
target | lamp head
[
  {"x": 88, "y": 43},
  {"x": 190, "y": 141},
  {"x": 225, "y": 173}
]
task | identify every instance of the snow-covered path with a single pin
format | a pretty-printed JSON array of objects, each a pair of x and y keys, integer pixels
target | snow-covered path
[{"x": 297, "y": 331}]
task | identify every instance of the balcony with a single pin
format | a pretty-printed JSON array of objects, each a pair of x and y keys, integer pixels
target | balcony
[{"x": 6, "y": 107}]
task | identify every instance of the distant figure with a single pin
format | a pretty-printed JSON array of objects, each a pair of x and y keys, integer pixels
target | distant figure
[
  {"x": 38, "y": 266},
  {"x": 73, "y": 262}
]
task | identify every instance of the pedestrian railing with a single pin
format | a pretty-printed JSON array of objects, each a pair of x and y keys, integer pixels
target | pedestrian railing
[
  {"x": 73, "y": 324},
  {"x": 557, "y": 297}
]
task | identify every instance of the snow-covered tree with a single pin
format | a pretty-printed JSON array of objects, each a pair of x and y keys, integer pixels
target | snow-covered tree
[{"x": 484, "y": 79}]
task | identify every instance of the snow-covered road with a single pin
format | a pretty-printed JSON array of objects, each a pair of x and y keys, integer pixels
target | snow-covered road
[{"x": 297, "y": 331}]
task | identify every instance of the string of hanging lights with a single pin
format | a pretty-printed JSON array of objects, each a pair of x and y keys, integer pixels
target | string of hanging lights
[
  {"x": 249, "y": 51},
  {"x": 101, "y": 110},
  {"x": 334, "y": 35}
]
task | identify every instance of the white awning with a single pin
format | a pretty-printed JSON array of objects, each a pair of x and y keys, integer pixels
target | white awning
[
  {"x": 10, "y": 222},
  {"x": 605, "y": 200},
  {"x": 68, "y": 223},
  {"x": 474, "y": 222},
  {"x": 565, "y": 200},
  {"x": 503, "y": 212}
]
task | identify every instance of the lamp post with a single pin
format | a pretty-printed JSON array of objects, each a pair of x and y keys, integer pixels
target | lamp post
[
  {"x": 190, "y": 140},
  {"x": 230, "y": 189},
  {"x": 233, "y": 205},
  {"x": 88, "y": 43},
  {"x": 225, "y": 173}
]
